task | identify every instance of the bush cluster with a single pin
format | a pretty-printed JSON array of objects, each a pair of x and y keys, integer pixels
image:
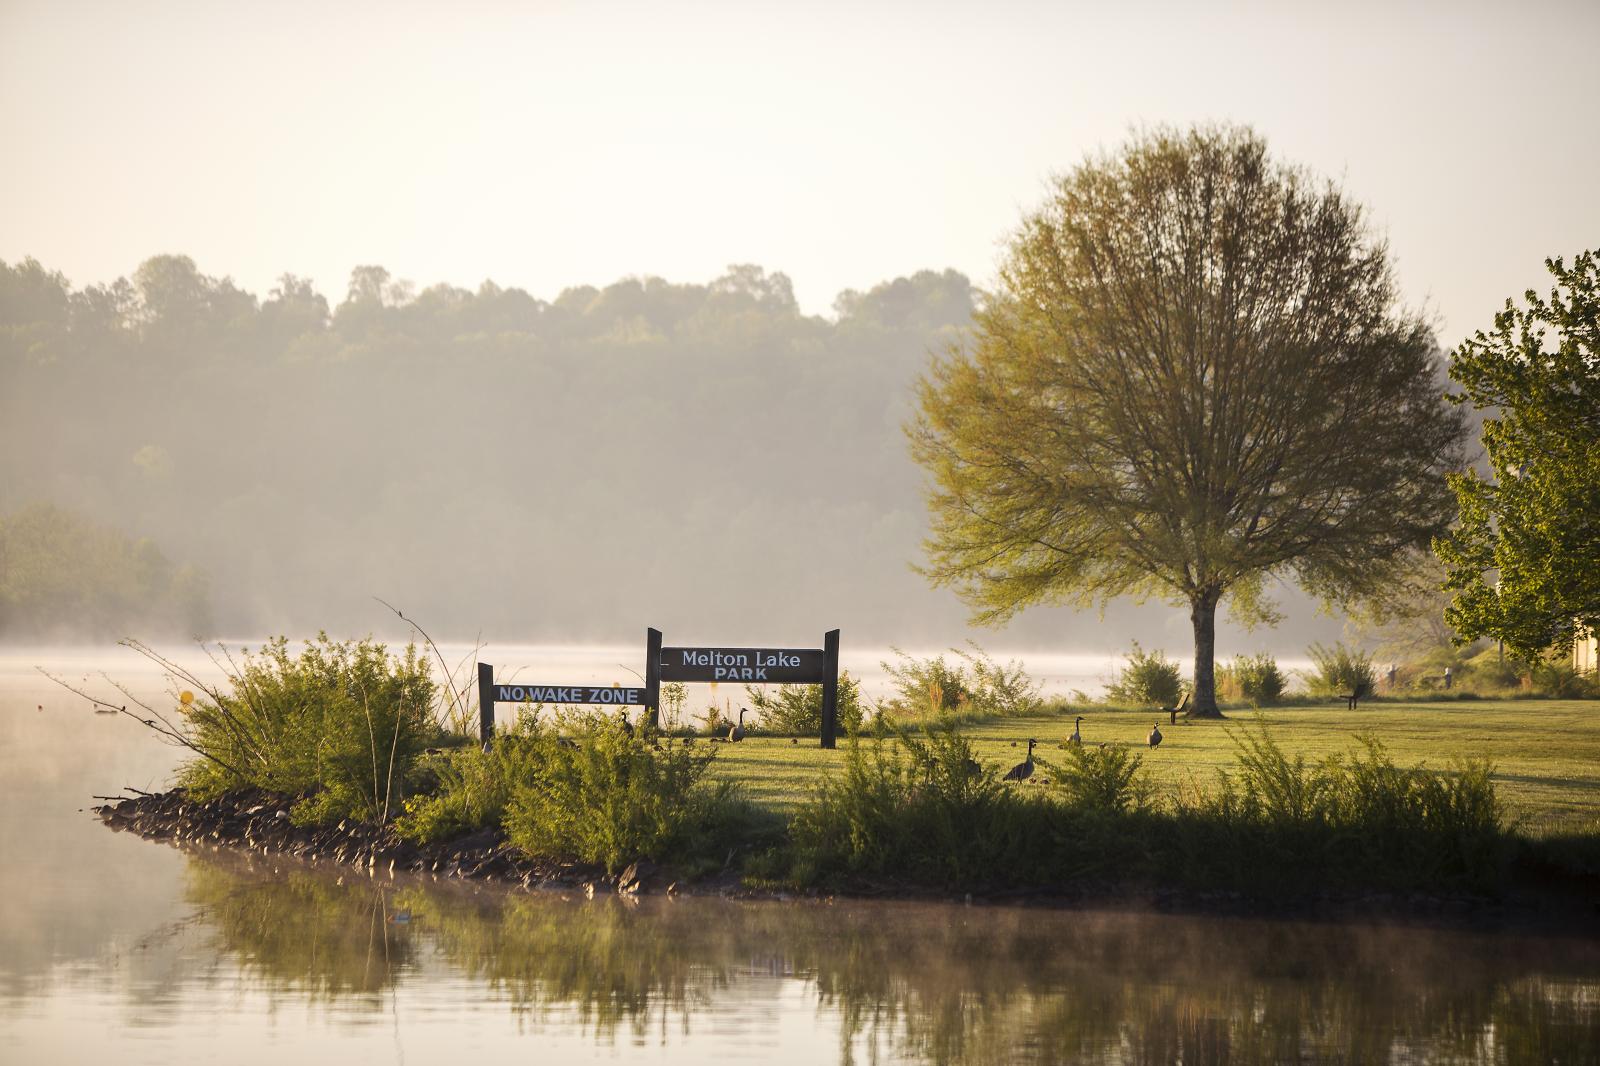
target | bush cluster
[
  {"x": 1340, "y": 671},
  {"x": 1255, "y": 678},
  {"x": 974, "y": 688},
  {"x": 796, "y": 710},
  {"x": 340, "y": 725},
  {"x": 1148, "y": 679},
  {"x": 922, "y": 811}
]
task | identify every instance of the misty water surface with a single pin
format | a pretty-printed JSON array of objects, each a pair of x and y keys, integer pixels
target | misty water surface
[{"x": 114, "y": 949}]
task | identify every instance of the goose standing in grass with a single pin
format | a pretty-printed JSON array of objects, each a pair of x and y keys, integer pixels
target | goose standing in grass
[
  {"x": 1155, "y": 736},
  {"x": 1024, "y": 769},
  {"x": 627, "y": 726},
  {"x": 736, "y": 734},
  {"x": 1076, "y": 738}
]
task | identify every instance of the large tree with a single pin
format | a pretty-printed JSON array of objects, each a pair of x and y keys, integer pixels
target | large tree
[
  {"x": 1195, "y": 377},
  {"x": 1524, "y": 562}
]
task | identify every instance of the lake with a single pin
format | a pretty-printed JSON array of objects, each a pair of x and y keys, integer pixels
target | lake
[{"x": 118, "y": 950}]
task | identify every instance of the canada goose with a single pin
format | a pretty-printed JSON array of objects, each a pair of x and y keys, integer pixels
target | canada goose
[
  {"x": 973, "y": 768},
  {"x": 1023, "y": 770},
  {"x": 627, "y": 726},
  {"x": 736, "y": 734},
  {"x": 1155, "y": 735},
  {"x": 1076, "y": 737}
]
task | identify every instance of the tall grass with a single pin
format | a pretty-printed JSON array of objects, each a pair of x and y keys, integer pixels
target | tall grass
[{"x": 922, "y": 811}]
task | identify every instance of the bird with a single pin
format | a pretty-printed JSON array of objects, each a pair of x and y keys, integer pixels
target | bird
[
  {"x": 1155, "y": 735},
  {"x": 736, "y": 734},
  {"x": 627, "y": 726},
  {"x": 1023, "y": 770},
  {"x": 794, "y": 740},
  {"x": 1076, "y": 737},
  {"x": 687, "y": 741},
  {"x": 973, "y": 768}
]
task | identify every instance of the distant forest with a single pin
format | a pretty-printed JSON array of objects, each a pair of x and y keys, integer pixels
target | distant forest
[{"x": 705, "y": 458}]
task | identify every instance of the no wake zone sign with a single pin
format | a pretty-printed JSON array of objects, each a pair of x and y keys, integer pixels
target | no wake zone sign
[{"x": 612, "y": 695}]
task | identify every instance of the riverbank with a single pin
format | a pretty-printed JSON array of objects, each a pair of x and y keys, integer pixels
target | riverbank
[{"x": 1540, "y": 897}]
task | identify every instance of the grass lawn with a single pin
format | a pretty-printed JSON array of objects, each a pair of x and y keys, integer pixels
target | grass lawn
[{"x": 1546, "y": 753}]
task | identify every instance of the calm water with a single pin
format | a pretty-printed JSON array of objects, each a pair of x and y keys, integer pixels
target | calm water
[{"x": 115, "y": 950}]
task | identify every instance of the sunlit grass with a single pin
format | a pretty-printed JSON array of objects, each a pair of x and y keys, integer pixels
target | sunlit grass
[{"x": 1546, "y": 753}]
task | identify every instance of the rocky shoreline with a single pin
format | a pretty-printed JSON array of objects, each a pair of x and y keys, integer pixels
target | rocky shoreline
[{"x": 259, "y": 821}]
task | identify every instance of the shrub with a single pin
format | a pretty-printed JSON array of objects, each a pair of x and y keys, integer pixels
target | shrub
[
  {"x": 1252, "y": 677},
  {"x": 341, "y": 725},
  {"x": 606, "y": 797},
  {"x": 1559, "y": 679},
  {"x": 1149, "y": 678},
  {"x": 926, "y": 687},
  {"x": 1103, "y": 780},
  {"x": 472, "y": 787},
  {"x": 917, "y": 810},
  {"x": 1339, "y": 670},
  {"x": 982, "y": 688},
  {"x": 797, "y": 709}
]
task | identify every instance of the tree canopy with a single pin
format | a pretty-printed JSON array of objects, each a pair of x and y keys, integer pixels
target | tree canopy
[
  {"x": 1524, "y": 562},
  {"x": 562, "y": 467},
  {"x": 1195, "y": 378}
]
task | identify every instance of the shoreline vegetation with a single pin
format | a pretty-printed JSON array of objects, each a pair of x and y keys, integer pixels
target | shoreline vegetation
[{"x": 351, "y": 753}]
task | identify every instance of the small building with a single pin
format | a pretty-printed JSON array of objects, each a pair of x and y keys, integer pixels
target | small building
[{"x": 1586, "y": 654}]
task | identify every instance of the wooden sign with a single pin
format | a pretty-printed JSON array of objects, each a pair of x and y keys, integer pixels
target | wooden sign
[{"x": 783, "y": 666}]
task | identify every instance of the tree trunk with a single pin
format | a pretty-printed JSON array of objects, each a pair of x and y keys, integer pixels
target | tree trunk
[{"x": 1203, "y": 613}]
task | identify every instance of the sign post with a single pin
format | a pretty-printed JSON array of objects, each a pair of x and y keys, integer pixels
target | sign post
[
  {"x": 830, "y": 688},
  {"x": 485, "y": 704},
  {"x": 652, "y": 678}
]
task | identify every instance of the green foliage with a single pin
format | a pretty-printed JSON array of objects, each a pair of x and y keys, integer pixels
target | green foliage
[
  {"x": 1102, "y": 780},
  {"x": 976, "y": 688},
  {"x": 1064, "y": 443},
  {"x": 1340, "y": 670},
  {"x": 1149, "y": 678},
  {"x": 797, "y": 709},
  {"x": 1557, "y": 678},
  {"x": 133, "y": 388},
  {"x": 63, "y": 575},
  {"x": 602, "y": 796},
  {"x": 340, "y": 725},
  {"x": 1524, "y": 560},
  {"x": 919, "y": 811},
  {"x": 471, "y": 787},
  {"x": 1252, "y": 677},
  {"x": 1353, "y": 819},
  {"x": 912, "y": 810}
]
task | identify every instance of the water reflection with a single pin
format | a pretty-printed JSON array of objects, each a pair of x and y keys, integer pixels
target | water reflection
[{"x": 919, "y": 982}]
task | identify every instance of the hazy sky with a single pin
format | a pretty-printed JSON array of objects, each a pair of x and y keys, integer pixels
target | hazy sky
[{"x": 546, "y": 145}]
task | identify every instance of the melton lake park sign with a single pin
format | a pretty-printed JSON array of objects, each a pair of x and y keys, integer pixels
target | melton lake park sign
[{"x": 711, "y": 664}]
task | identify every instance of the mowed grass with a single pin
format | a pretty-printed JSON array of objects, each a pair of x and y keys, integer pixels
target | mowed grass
[{"x": 1546, "y": 753}]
